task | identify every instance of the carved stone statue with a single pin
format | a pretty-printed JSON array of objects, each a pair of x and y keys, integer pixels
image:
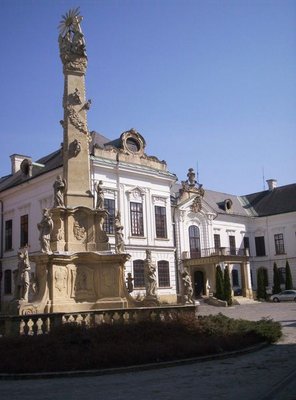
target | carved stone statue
[
  {"x": 119, "y": 242},
  {"x": 45, "y": 228},
  {"x": 22, "y": 276},
  {"x": 197, "y": 204},
  {"x": 129, "y": 282},
  {"x": 71, "y": 41},
  {"x": 191, "y": 177},
  {"x": 150, "y": 276},
  {"x": 192, "y": 187},
  {"x": 76, "y": 147},
  {"x": 187, "y": 288},
  {"x": 59, "y": 187},
  {"x": 100, "y": 196}
]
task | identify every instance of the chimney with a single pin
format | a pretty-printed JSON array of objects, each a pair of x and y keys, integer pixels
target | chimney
[
  {"x": 272, "y": 184},
  {"x": 16, "y": 160}
]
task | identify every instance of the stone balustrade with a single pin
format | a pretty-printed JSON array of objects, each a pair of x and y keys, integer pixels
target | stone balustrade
[{"x": 39, "y": 324}]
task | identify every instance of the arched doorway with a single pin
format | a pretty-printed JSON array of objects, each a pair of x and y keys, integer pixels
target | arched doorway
[{"x": 198, "y": 283}]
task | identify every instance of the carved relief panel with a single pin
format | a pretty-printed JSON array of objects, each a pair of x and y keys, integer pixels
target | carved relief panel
[
  {"x": 60, "y": 281},
  {"x": 80, "y": 227},
  {"x": 82, "y": 287},
  {"x": 108, "y": 281}
]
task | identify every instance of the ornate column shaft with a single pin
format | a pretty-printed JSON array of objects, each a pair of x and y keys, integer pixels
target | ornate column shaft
[{"x": 76, "y": 135}]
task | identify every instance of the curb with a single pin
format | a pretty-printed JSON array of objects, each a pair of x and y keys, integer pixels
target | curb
[{"x": 132, "y": 368}]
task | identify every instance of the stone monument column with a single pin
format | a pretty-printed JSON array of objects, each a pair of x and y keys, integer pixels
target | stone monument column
[{"x": 76, "y": 135}]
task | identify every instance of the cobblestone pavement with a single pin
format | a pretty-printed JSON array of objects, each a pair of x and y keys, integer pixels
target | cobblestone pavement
[{"x": 265, "y": 374}]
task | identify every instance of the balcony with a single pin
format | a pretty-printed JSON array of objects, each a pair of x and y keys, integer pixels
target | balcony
[{"x": 212, "y": 255}]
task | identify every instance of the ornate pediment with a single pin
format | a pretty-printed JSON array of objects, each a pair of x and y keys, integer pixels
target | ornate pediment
[{"x": 136, "y": 194}]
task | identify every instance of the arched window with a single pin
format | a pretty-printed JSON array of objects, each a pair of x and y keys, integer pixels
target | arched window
[
  {"x": 139, "y": 275},
  {"x": 163, "y": 273},
  {"x": 194, "y": 241},
  {"x": 7, "y": 282}
]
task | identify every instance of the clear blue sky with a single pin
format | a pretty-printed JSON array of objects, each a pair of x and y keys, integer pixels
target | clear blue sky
[{"x": 211, "y": 82}]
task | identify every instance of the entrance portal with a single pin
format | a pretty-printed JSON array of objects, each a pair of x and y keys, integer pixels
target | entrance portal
[{"x": 198, "y": 283}]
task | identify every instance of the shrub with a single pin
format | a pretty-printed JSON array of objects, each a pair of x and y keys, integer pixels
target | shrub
[
  {"x": 219, "y": 283},
  {"x": 265, "y": 329},
  {"x": 227, "y": 286},
  {"x": 276, "y": 280},
  {"x": 289, "y": 282},
  {"x": 261, "y": 282},
  {"x": 76, "y": 347}
]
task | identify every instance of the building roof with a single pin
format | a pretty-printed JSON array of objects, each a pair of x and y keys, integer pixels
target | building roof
[
  {"x": 268, "y": 202},
  {"x": 99, "y": 140},
  {"x": 271, "y": 202},
  {"x": 225, "y": 203},
  {"x": 41, "y": 166}
]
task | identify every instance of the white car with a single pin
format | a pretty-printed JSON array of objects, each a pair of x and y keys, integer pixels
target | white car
[{"x": 285, "y": 295}]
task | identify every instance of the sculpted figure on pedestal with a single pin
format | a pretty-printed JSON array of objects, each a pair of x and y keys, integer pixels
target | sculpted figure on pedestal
[
  {"x": 191, "y": 177},
  {"x": 119, "y": 242},
  {"x": 129, "y": 283},
  {"x": 45, "y": 228},
  {"x": 100, "y": 196},
  {"x": 71, "y": 42},
  {"x": 59, "y": 187},
  {"x": 187, "y": 287},
  {"x": 22, "y": 276},
  {"x": 150, "y": 275}
]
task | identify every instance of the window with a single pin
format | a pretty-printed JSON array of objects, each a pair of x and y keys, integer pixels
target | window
[
  {"x": 232, "y": 245},
  {"x": 246, "y": 242},
  {"x": 24, "y": 230},
  {"x": 7, "y": 282},
  {"x": 160, "y": 222},
  {"x": 139, "y": 275},
  {"x": 260, "y": 246},
  {"x": 194, "y": 241},
  {"x": 279, "y": 243},
  {"x": 132, "y": 144},
  {"x": 137, "y": 227},
  {"x": 217, "y": 241},
  {"x": 109, "y": 205},
  {"x": 163, "y": 274},
  {"x": 8, "y": 234}
]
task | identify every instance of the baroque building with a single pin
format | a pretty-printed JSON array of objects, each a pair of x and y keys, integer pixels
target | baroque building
[{"x": 99, "y": 201}]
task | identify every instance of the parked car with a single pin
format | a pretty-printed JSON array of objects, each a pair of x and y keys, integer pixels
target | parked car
[{"x": 285, "y": 295}]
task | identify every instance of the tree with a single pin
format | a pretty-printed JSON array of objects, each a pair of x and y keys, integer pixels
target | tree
[
  {"x": 289, "y": 282},
  {"x": 227, "y": 286},
  {"x": 276, "y": 280},
  {"x": 261, "y": 287},
  {"x": 219, "y": 283}
]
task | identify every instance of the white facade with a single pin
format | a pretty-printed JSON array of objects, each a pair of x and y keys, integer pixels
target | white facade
[
  {"x": 25, "y": 199},
  {"x": 155, "y": 216},
  {"x": 269, "y": 227},
  {"x": 127, "y": 183}
]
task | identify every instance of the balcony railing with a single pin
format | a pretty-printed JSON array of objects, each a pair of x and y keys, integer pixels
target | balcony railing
[
  {"x": 38, "y": 324},
  {"x": 222, "y": 251}
]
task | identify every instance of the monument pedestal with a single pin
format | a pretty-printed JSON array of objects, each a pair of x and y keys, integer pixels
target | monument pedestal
[{"x": 78, "y": 282}]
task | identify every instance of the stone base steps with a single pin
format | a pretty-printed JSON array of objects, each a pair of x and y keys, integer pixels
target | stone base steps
[{"x": 244, "y": 300}]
